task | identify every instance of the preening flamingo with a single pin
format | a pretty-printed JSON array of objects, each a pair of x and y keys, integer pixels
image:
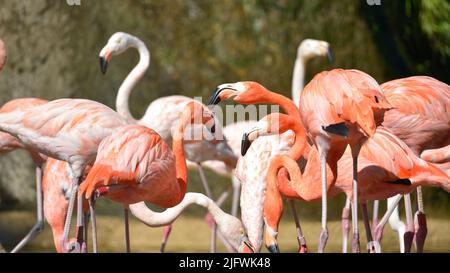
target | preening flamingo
[
  {"x": 136, "y": 165},
  {"x": 162, "y": 114},
  {"x": 68, "y": 130},
  {"x": 9, "y": 143},
  {"x": 387, "y": 167}
]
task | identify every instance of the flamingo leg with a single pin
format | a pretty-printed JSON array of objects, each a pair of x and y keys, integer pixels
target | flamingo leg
[
  {"x": 127, "y": 230},
  {"x": 85, "y": 229},
  {"x": 39, "y": 225},
  {"x": 80, "y": 224},
  {"x": 324, "y": 232},
  {"x": 273, "y": 210},
  {"x": 397, "y": 224},
  {"x": 421, "y": 222},
  {"x": 166, "y": 233},
  {"x": 355, "y": 241},
  {"x": 94, "y": 224},
  {"x": 379, "y": 229},
  {"x": 376, "y": 205},
  {"x": 236, "y": 193},
  {"x": 302, "y": 248},
  {"x": 209, "y": 194},
  {"x": 372, "y": 246},
  {"x": 69, "y": 247},
  {"x": 409, "y": 233},
  {"x": 345, "y": 224}
]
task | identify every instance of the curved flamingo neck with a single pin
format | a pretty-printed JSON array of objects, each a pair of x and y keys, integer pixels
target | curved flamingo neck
[
  {"x": 132, "y": 79},
  {"x": 180, "y": 159},
  {"x": 298, "y": 80},
  {"x": 300, "y": 143},
  {"x": 298, "y": 185}
]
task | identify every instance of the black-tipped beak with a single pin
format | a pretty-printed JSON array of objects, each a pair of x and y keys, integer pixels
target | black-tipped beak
[
  {"x": 215, "y": 98},
  {"x": 213, "y": 129},
  {"x": 103, "y": 65},
  {"x": 330, "y": 55},
  {"x": 245, "y": 144},
  {"x": 273, "y": 249}
]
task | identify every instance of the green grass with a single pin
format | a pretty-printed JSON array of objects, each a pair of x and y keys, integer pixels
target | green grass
[{"x": 191, "y": 234}]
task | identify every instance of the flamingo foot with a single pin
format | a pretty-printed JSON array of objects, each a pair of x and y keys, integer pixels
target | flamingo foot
[
  {"x": 408, "y": 238},
  {"x": 373, "y": 247},
  {"x": 421, "y": 231},
  {"x": 355, "y": 242},
  {"x": 73, "y": 246},
  {"x": 302, "y": 248},
  {"x": 323, "y": 240},
  {"x": 166, "y": 233}
]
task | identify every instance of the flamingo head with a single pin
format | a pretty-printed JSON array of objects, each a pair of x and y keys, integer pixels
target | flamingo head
[
  {"x": 2, "y": 54},
  {"x": 234, "y": 232},
  {"x": 310, "y": 48},
  {"x": 275, "y": 123},
  {"x": 197, "y": 122},
  {"x": 247, "y": 92},
  {"x": 117, "y": 44}
]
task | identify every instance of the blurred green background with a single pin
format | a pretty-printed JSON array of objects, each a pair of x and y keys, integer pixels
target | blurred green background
[{"x": 195, "y": 45}]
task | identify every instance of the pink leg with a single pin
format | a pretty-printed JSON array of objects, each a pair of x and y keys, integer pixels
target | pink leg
[
  {"x": 372, "y": 246},
  {"x": 409, "y": 233},
  {"x": 166, "y": 233},
  {"x": 378, "y": 231},
  {"x": 376, "y": 205},
  {"x": 302, "y": 248},
  {"x": 345, "y": 225}
]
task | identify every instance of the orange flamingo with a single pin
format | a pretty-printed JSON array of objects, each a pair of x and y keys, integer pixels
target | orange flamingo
[
  {"x": 136, "y": 165},
  {"x": 9, "y": 143},
  {"x": 384, "y": 158},
  {"x": 69, "y": 130},
  {"x": 350, "y": 104}
]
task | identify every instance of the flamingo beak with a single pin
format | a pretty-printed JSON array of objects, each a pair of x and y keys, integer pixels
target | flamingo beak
[
  {"x": 245, "y": 144},
  {"x": 104, "y": 61},
  {"x": 103, "y": 65},
  {"x": 247, "y": 140},
  {"x": 330, "y": 54},
  {"x": 246, "y": 245},
  {"x": 221, "y": 94}
]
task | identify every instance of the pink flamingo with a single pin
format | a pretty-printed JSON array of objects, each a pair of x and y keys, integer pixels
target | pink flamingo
[
  {"x": 420, "y": 118},
  {"x": 384, "y": 158},
  {"x": 342, "y": 122},
  {"x": 9, "y": 143},
  {"x": 135, "y": 164},
  {"x": 166, "y": 109},
  {"x": 68, "y": 130}
]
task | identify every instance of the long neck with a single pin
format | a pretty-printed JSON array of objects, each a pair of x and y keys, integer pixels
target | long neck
[
  {"x": 298, "y": 80},
  {"x": 285, "y": 103},
  {"x": 180, "y": 159},
  {"x": 300, "y": 143},
  {"x": 296, "y": 185},
  {"x": 132, "y": 79},
  {"x": 158, "y": 219}
]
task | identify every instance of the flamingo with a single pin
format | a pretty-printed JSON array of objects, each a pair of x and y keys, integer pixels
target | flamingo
[
  {"x": 249, "y": 165},
  {"x": 166, "y": 109},
  {"x": 388, "y": 167},
  {"x": 135, "y": 164},
  {"x": 352, "y": 89},
  {"x": 9, "y": 143},
  {"x": 68, "y": 130},
  {"x": 420, "y": 118}
]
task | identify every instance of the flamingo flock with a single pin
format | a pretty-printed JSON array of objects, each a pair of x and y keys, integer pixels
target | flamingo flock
[{"x": 342, "y": 132}]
